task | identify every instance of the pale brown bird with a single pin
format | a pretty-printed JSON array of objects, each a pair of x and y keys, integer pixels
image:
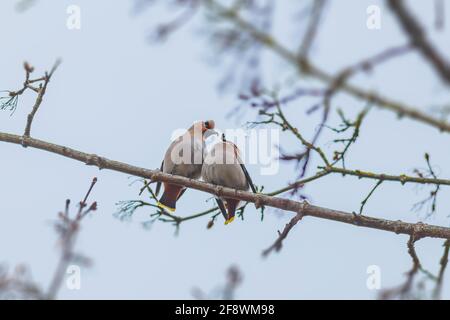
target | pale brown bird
[
  {"x": 223, "y": 166},
  {"x": 184, "y": 157}
]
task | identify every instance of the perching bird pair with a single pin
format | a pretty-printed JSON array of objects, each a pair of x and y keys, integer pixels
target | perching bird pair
[{"x": 222, "y": 165}]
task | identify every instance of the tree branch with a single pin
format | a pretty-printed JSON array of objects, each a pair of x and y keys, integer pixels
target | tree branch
[
  {"x": 363, "y": 203},
  {"x": 418, "y": 38},
  {"x": 440, "y": 278},
  {"x": 398, "y": 227},
  {"x": 41, "y": 92},
  {"x": 282, "y": 235},
  {"x": 387, "y": 177},
  {"x": 307, "y": 68},
  {"x": 313, "y": 26},
  {"x": 69, "y": 229},
  {"x": 405, "y": 289}
]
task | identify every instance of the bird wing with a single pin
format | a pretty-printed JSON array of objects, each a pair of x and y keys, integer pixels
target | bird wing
[
  {"x": 158, "y": 184},
  {"x": 222, "y": 208},
  {"x": 181, "y": 193},
  {"x": 249, "y": 180}
]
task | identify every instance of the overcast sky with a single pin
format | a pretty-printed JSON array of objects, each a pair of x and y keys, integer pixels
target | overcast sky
[{"x": 119, "y": 96}]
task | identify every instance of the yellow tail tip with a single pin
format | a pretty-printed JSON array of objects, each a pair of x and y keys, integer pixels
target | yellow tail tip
[
  {"x": 164, "y": 207},
  {"x": 230, "y": 220}
]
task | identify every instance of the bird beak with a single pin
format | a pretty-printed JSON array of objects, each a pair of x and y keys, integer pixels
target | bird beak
[{"x": 209, "y": 133}]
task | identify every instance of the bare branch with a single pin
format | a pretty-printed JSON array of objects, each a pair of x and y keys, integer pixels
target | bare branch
[
  {"x": 387, "y": 177},
  {"x": 295, "y": 131},
  {"x": 439, "y": 14},
  {"x": 234, "y": 279},
  {"x": 311, "y": 31},
  {"x": 363, "y": 203},
  {"x": 41, "y": 92},
  {"x": 311, "y": 70},
  {"x": 418, "y": 38},
  {"x": 440, "y": 279},
  {"x": 69, "y": 229},
  {"x": 306, "y": 209},
  {"x": 282, "y": 235},
  {"x": 405, "y": 289}
]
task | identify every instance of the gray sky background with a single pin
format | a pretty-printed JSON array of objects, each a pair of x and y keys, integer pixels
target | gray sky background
[{"x": 118, "y": 96}]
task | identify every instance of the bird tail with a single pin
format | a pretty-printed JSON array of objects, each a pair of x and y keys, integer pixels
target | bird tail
[
  {"x": 231, "y": 208},
  {"x": 169, "y": 198}
]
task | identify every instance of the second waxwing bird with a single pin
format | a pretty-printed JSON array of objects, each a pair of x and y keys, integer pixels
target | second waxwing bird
[
  {"x": 223, "y": 166},
  {"x": 184, "y": 157}
]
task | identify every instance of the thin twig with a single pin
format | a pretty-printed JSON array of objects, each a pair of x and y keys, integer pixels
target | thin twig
[
  {"x": 363, "y": 203},
  {"x": 277, "y": 245},
  {"x": 405, "y": 290},
  {"x": 440, "y": 279},
  {"x": 41, "y": 92},
  {"x": 70, "y": 228},
  {"x": 311, "y": 31}
]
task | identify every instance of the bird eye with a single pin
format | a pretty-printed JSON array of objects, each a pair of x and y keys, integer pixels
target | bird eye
[{"x": 207, "y": 124}]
